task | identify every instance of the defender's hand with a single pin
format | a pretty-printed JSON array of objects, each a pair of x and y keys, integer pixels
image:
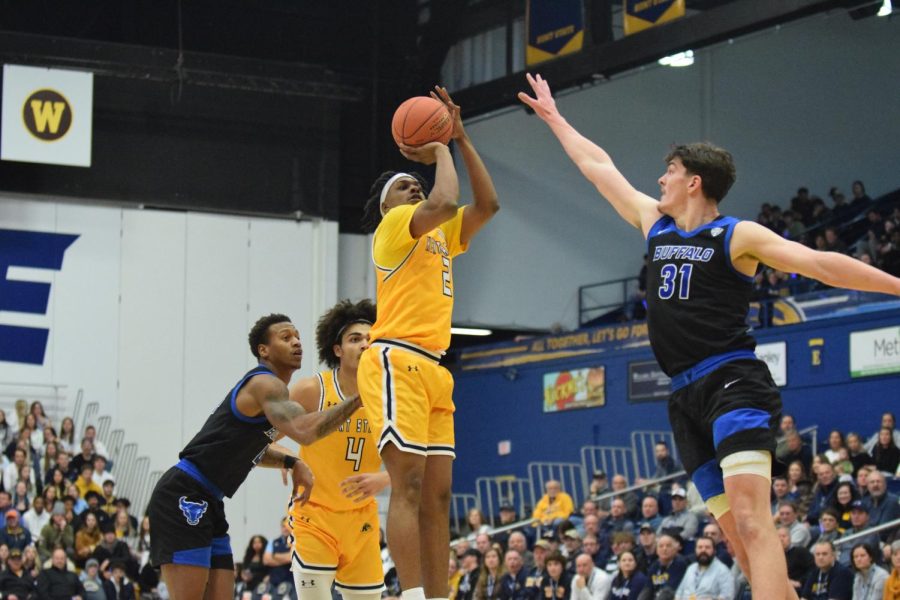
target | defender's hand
[
  {"x": 542, "y": 104},
  {"x": 301, "y": 476}
]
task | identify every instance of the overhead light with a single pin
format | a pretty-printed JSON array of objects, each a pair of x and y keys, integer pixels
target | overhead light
[
  {"x": 886, "y": 8},
  {"x": 682, "y": 59},
  {"x": 469, "y": 331}
]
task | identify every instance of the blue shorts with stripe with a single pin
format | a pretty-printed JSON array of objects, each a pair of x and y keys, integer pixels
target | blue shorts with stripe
[
  {"x": 733, "y": 408},
  {"x": 188, "y": 521}
]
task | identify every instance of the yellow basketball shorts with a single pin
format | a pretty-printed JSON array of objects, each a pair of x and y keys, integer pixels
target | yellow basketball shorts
[
  {"x": 342, "y": 543},
  {"x": 408, "y": 398}
]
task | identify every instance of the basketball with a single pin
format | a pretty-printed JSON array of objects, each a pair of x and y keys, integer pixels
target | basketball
[{"x": 420, "y": 120}]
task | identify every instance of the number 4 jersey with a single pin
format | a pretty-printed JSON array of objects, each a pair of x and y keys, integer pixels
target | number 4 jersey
[
  {"x": 697, "y": 302},
  {"x": 350, "y": 450}
]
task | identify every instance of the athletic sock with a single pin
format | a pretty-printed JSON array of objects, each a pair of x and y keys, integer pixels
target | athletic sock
[{"x": 416, "y": 593}]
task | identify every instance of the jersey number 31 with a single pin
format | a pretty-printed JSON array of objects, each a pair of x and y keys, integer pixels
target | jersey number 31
[{"x": 672, "y": 277}]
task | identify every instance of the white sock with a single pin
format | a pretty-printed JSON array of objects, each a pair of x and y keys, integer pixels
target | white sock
[{"x": 416, "y": 593}]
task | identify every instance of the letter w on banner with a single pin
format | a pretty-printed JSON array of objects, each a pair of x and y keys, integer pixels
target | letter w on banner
[
  {"x": 47, "y": 116},
  {"x": 643, "y": 14}
]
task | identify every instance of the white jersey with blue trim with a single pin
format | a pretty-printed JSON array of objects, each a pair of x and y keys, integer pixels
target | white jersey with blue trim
[
  {"x": 230, "y": 443},
  {"x": 697, "y": 302}
]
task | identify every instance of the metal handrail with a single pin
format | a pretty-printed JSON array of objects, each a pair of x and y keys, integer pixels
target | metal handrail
[{"x": 866, "y": 532}]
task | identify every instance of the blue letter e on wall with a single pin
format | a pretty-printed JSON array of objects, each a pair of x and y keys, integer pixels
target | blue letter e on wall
[{"x": 36, "y": 250}]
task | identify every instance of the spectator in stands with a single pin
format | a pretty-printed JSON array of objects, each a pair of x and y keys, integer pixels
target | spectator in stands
[
  {"x": 85, "y": 457},
  {"x": 885, "y": 453},
  {"x": 796, "y": 449},
  {"x": 6, "y": 431},
  {"x": 829, "y": 580},
  {"x": 118, "y": 586},
  {"x": 571, "y": 544},
  {"x": 844, "y": 496},
  {"x": 826, "y": 486},
  {"x": 632, "y": 504},
  {"x": 788, "y": 423},
  {"x": 780, "y": 491},
  {"x": 645, "y": 552},
  {"x": 64, "y": 464},
  {"x": 15, "y": 580},
  {"x": 835, "y": 443},
  {"x": 92, "y": 580},
  {"x": 591, "y": 546},
  {"x": 557, "y": 583},
  {"x": 888, "y": 421},
  {"x": 665, "y": 464},
  {"x": 67, "y": 435},
  {"x": 862, "y": 477},
  {"x": 90, "y": 433},
  {"x": 56, "y": 534},
  {"x": 859, "y": 518},
  {"x": 514, "y": 584},
  {"x": 802, "y": 204},
  {"x": 869, "y": 580},
  {"x": 94, "y": 501},
  {"x": 85, "y": 482},
  {"x": 589, "y": 582},
  {"x": 542, "y": 549},
  {"x": 519, "y": 543},
  {"x": 793, "y": 227},
  {"x": 828, "y": 526},
  {"x": 650, "y": 512},
  {"x": 714, "y": 532},
  {"x": 507, "y": 516},
  {"x": 253, "y": 558},
  {"x": 799, "y": 559},
  {"x": 629, "y": 582},
  {"x": 616, "y": 521},
  {"x": 87, "y": 538},
  {"x": 453, "y": 576},
  {"x": 14, "y": 535},
  {"x": 48, "y": 457},
  {"x": 668, "y": 569},
  {"x": 470, "y": 566},
  {"x": 619, "y": 543},
  {"x": 21, "y": 499},
  {"x": 883, "y": 506},
  {"x": 706, "y": 578},
  {"x": 58, "y": 583},
  {"x": 820, "y": 212},
  {"x": 591, "y": 525},
  {"x": 101, "y": 473},
  {"x": 111, "y": 549},
  {"x": 492, "y": 571},
  {"x": 475, "y": 524},
  {"x": 860, "y": 198},
  {"x": 600, "y": 487},
  {"x": 680, "y": 519},
  {"x": 482, "y": 543},
  {"x": 787, "y": 517},
  {"x": 11, "y": 471},
  {"x": 36, "y": 517},
  {"x": 30, "y": 561},
  {"x": 588, "y": 509},
  {"x": 277, "y": 556},
  {"x": 892, "y": 586},
  {"x": 554, "y": 506}
]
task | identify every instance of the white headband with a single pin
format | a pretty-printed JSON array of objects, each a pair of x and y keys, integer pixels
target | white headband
[{"x": 387, "y": 187}]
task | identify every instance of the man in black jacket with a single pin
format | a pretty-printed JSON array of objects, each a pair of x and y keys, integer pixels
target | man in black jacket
[
  {"x": 56, "y": 583},
  {"x": 15, "y": 580},
  {"x": 513, "y": 584}
]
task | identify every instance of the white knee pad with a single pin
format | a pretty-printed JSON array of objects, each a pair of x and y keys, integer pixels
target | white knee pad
[
  {"x": 359, "y": 594},
  {"x": 748, "y": 462},
  {"x": 313, "y": 586}
]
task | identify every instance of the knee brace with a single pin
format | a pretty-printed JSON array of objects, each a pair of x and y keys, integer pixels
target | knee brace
[
  {"x": 313, "y": 586},
  {"x": 748, "y": 462}
]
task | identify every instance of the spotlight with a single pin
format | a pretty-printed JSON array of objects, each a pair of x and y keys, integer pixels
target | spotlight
[
  {"x": 682, "y": 59},
  {"x": 886, "y": 9}
]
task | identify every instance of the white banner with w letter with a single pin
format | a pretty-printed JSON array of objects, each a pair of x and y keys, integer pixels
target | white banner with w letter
[{"x": 47, "y": 116}]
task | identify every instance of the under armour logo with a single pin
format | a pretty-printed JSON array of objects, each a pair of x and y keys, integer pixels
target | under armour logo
[
  {"x": 412, "y": 368},
  {"x": 192, "y": 510},
  {"x": 310, "y": 583}
]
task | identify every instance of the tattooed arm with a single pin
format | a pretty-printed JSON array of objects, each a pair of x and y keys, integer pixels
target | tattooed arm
[
  {"x": 293, "y": 420},
  {"x": 301, "y": 475}
]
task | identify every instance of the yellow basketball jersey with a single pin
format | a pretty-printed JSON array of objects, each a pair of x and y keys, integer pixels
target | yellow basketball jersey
[
  {"x": 349, "y": 451},
  {"x": 414, "y": 279}
]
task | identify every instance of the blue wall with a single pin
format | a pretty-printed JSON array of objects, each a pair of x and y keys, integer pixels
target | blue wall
[{"x": 491, "y": 408}]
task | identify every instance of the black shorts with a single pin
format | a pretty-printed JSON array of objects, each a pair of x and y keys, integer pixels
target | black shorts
[
  {"x": 188, "y": 524},
  {"x": 736, "y": 407}
]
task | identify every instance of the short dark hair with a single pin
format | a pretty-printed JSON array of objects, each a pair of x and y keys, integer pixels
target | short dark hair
[
  {"x": 712, "y": 164},
  {"x": 333, "y": 323},
  {"x": 372, "y": 209},
  {"x": 869, "y": 550},
  {"x": 259, "y": 334},
  {"x": 556, "y": 557}
]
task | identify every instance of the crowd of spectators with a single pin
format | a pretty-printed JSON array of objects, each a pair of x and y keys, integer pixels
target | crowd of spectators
[
  {"x": 858, "y": 228},
  {"x": 659, "y": 542},
  {"x": 65, "y": 531}
]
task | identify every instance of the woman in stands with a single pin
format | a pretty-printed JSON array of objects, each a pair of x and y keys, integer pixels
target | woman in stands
[
  {"x": 885, "y": 454},
  {"x": 6, "y": 431},
  {"x": 844, "y": 495},
  {"x": 67, "y": 435},
  {"x": 475, "y": 524},
  {"x": 629, "y": 582},
  {"x": 869, "y": 580},
  {"x": 492, "y": 570},
  {"x": 800, "y": 490},
  {"x": 835, "y": 443},
  {"x": 253, "y": 559},
  {"x": 858, "y": 455},
  {"x": 37, "y": 410},
  {"x": 558, "y": 582},
  {"x": 86, "y": 539}
]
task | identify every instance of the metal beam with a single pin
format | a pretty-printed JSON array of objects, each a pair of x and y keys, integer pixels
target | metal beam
[{"x": 599, "y": 62}]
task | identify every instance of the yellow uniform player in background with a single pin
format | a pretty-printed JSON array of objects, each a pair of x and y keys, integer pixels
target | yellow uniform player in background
[
  {"x": 406, "y": 393},
  {"x": 336, "y": 534}
]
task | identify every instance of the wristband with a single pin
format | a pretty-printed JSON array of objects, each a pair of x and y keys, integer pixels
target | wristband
[{"x": 289, "y": 461}]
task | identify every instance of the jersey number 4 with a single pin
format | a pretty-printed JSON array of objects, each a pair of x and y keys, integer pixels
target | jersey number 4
[
  {"x": 355, "y": 451},
  {"x": 672, "y": 277}
]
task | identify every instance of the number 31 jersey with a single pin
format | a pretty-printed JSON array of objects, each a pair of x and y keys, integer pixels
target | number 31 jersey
[
  {"x": 350, "y": 450},
  {"x": 697, "y": 302},
  {"x": 414, "y": 279}
]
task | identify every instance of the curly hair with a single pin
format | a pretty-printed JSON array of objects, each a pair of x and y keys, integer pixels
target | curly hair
[
  {"x": 259, "y": 334},
  {"x": 372, "y": 210},
  {"x": 332, "y": 324}
]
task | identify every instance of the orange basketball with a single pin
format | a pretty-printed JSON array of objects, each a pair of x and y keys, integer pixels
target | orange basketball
[{"x": 420, "y": 120}]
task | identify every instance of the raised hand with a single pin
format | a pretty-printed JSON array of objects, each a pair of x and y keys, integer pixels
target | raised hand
[
  {"x": 443, "y": 96},
  {"x": 425, "y": 154},
  {"x": 542, "y": 104}
]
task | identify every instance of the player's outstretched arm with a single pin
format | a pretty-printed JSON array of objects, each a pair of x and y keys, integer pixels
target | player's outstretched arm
[
  {"x": 441, "y": 204},
  {"x": 293, "y": 420},
  {"x": 638, "y": 209},
  {"x": 484, "y": 197},
  {"x": 831, "y": 268}
]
